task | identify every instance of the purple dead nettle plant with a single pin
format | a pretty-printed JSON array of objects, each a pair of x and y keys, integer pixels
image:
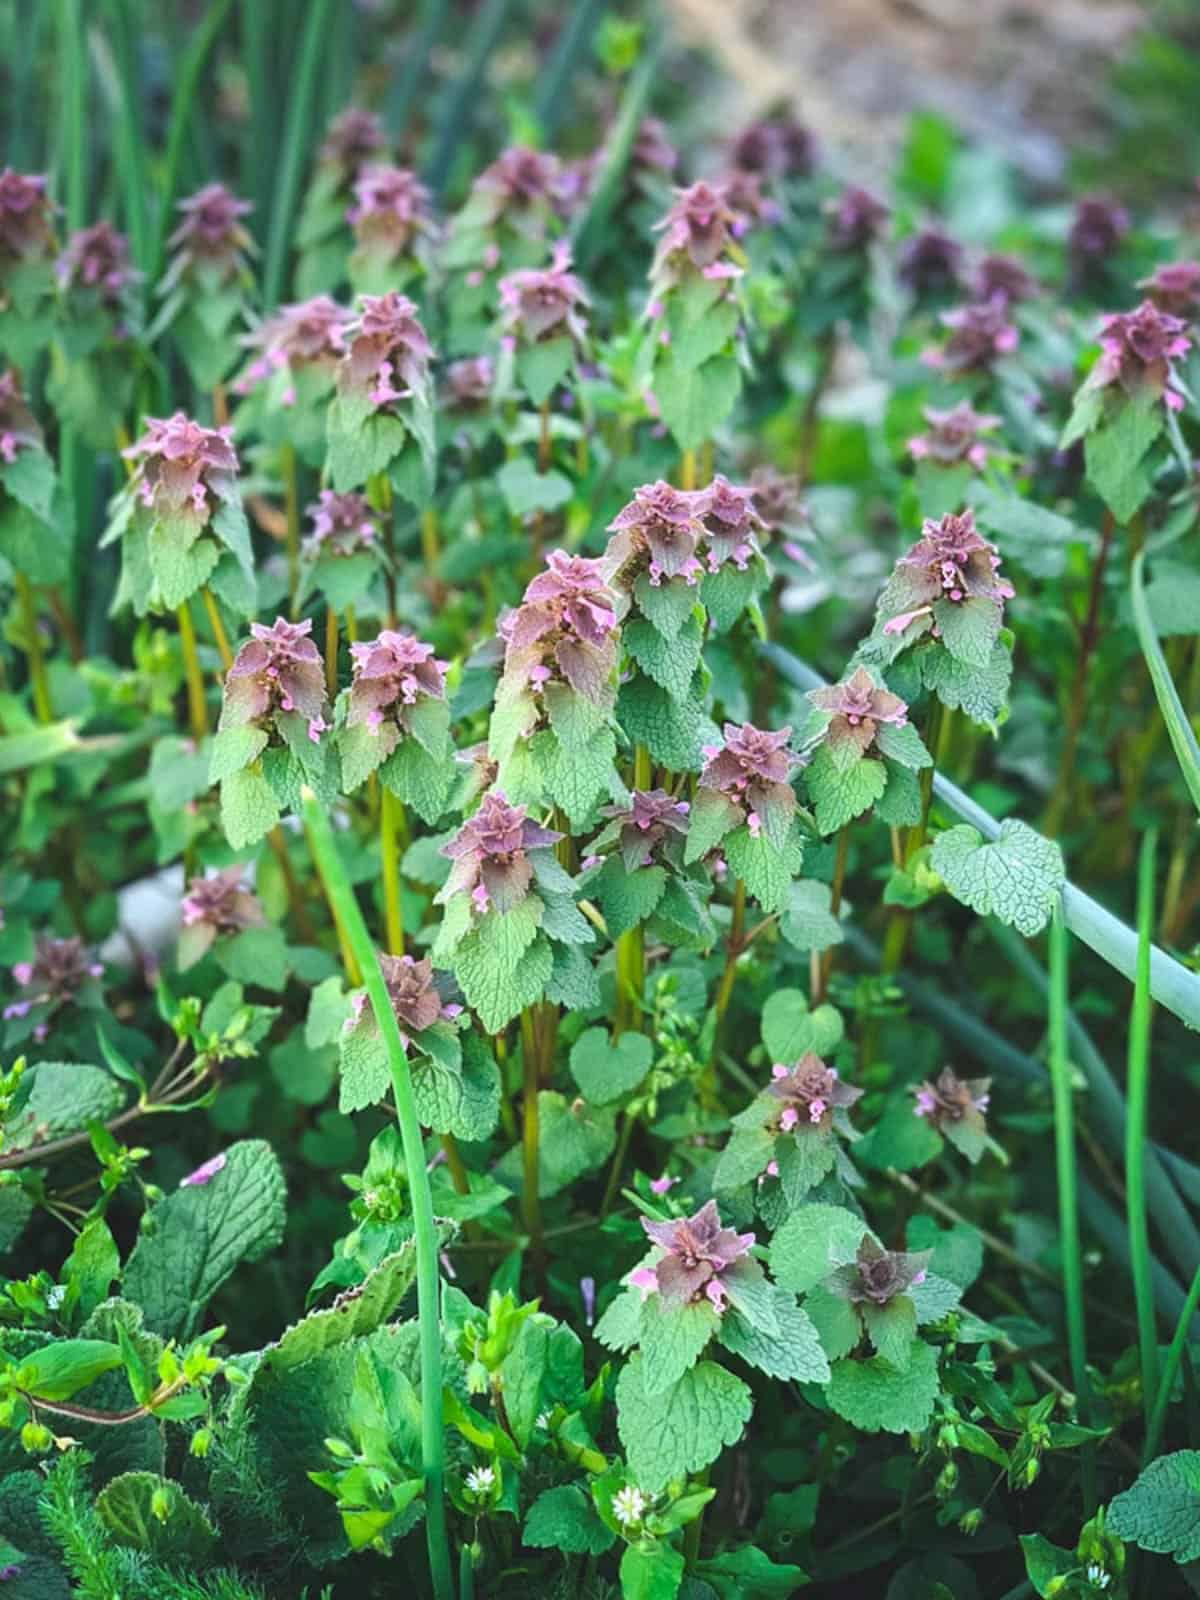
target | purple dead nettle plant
[
  {"x": 980, "y": 333},
  {"x": 341, "y": 525},
  {"x": 856, "y": 709},
  {"x": 750, "y": 772},
  {"x": 950, "y": 567},
  {"x": 956, "y": 1107},
  {"x": 27, "y": 279},
  {"x": 469, "y": 382},
  {"x": 954, "y": 436},
  {"x": 1097, "y": 229},
  {"x": 930, "y": 262},
  {"x": 645, "y": 832},
  {"x": 543, "y": 330},
  {"x": 63, "y": 972},
  {"x": 491, "y": 856},
  {"x": 384, "y": 393},
  {"x": 206, "y": 290},
  {"x": 354, "y": 140},
  {"x": 289, "y": 380},
  {"x": 656, "y": 537},
  {"x": 564, "y": 631},
  {"x": 95, "y": 274},
  {"x": 733, "y": 524},
  {"x": 1175, "y": 288},
  {"x": 856, "y": 220},
  {"x": 427, "y": 1017},
  {"x": 394, "y": 230},
  {"x": 212, "y": 908},
  {"x": 211, "y": 245},
  {"x": 698, "y": 235},
  {"x": 777, "y": 147},
  {"x": 876, "y": 1286},
  {"x": 514, "y": 208},
  {"x": 26, "y": 217},
  {"x": 1005, "y": 276},
  {"x": 396, "y": 707},
  {"x": 699, "y": 1260},
  {"x": 1138, "y": 351},
  {"x": 277, "y": 684},
  {"x": 19, "y": 428}
]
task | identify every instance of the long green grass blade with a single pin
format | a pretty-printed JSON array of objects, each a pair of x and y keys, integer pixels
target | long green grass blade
[
  {"x": 590, "y": 224},
  {"x": 1135, "y": 1130},
  {"x": 421, "y": 41},
  {"x": 72, "y": 158},
  {"x": 1166, "y": 1379},
  {"x": 458, "y": 110},
  {"x": 1179, "y": 729},
  {"x": 128, "y": 142},
  {"x": 553, "y": 99},
  {"x": 297, "y": 137}
]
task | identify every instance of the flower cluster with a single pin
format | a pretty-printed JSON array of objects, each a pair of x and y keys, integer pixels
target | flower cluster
[
  {"x": 658, "y": 532},
  {"x": 278, "y": 670},
  {"x": 353, "y": 138},
  {"x": 732, "y": 522},
  {"x": 469, "y": 382},
  {"x": 309, "y": 334},
  {"x": 775, "y": 147},
  {"x": 1175, "y": 288},
  {"x": 413, "y": 991},
  {"x": 57, "y": 975},
  {"x": 391, "y": 210},
  {"x": 652, "y": 151},
  {"x": 856, "y": 708},
  {"x": 876, "y": 1276},
  {"x": 1005, "y": 276},
  {"x": 25, "y": 217},
  {"x": 697, "y": 1255},
  {"x": 392, "y": 674},
  {"x": 97, "y": 259},
  {"x": 342, "y": 525},
  {"x": 520, "y": 183},
  {"x": 490, "y": 853},
  {"x": 652, "y": 819},
  {"x": 1138, "y": 349},
  {"x": 930, "y": 261},
  {"x": 954, "y": 436},
  {"x": 216, "y": 905},
  {"x": 951, "y": 562},
  {"x": 751, "y": 769},
  {"x": 388, "y": 345},
  {"x": 697, "y": 234},
  {"x": 810, "y": 1094},
  {"x": 182, "y": 467},
  {"x": 565, "y": 629},
  {"x": 1097, "y": 228},
  {"x": 856, "y": 220},
  {"x": 537, "y": 304},
  {"x": 957, "y": 1108},
  {"x": 19, "y": 428},
  {"x": 211, "y": 239},
  {"x": 979, "y": 334}
]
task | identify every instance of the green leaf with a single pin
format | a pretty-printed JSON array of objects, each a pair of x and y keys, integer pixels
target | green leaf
[
  {"x": 694, "y": 401},
  {"x": 766, "y": 870},
  {"x": 748, "y": 1574},
  {"x": 793, "y": 1353},
  {"x": 877, "y": 1397},
  {"x": 712, "y": 816},
  {"x": 674, "y": 731},
  {"x": 981, "y": 693},
  {"x": 608, "y": 1069},
  {"x": 1115, "y": 452},
  {"x": 63, "y": 1097},
  {"x": 1043, "y": 1560},
  {"x": 671, "y": 662},
  {"x": 1017, "y": 877},
  {"x": 681, "y": 1431},
  {"x": 566, "y": 1519},
  {"x": 328, "y": 1008},
  {"x": 59, "y": 1370},
  {"x": 905, "y": 745},
  {"x": 420, "y": 780},
  {"x": 840, "y": 795},
  {"x": 543, "y": 365},
  {"x": 499, "y": 977},
  {"x": 900, "y": 1139},
  {"x": 899, "y": 806},
  {"x": 672, "y": 1339},
  {"x": 576, "y": 777},
  {"x": 667, "y": 606},
  {"x": 620, "y": 1325},
  {"x": 969, "y": 630},
  {"x": 1179, "y": 728},
  {"x": 810, "y": 1243},
  {"x": 934, "y": 1298},
  {"x": 462, "y": 1100},
  {"x": 835, "y": 1320},
  {"x": 790, "y": 1030},
  {"x": 573, "y": 1139},
  {"x": 652, "y": 1573},
  {"x": 1161, "y": 1511},
  {"x": 527, "y": 490},
  {"x": 728, "y": 593},
  {"x": 372, "y": 1303},
  {"x": 143, "y": 1511},
  {"x": 249, "y": 809},
  {"x": 743, "y": 1159},
  {"x": 808, "y": 923},
  {"x": 957, "y": 1251},
  {"x": 255, "y": 956},
  {"x": 573, "y": 983},
  {"x": 626, "y": 898},
  {"x": 202, "y": 1233},
  {"x": 92, "y": 1266},
  {"x": 892, "y": 1329}
]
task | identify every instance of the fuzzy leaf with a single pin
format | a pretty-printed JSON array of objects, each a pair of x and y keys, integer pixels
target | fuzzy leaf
[
  {"x": 899, "y": 806},
  {"x": 681, "y": 1431},
  {"x": 804, "y": 1159},
  {"x": 1161, "y": 1512},
  {"x": 728, "y": 593},
  {"x": 419, "y": 779},
  {"x": 566, "y": 1519},
  {"x": 694, "y": 401},
  {"x": 841, "y": 795},
  {"x": 743, "y": 1159},
  {"x": 608, "y": 1069},
  {"x": 1115, "y": 452},
  {"x": 811, "y": 1242},
  {"x": 627, "y": 898},
  {"x": 808, "y": 923},
  {"x": 462, "y": 1100},
  {"x": 63, "y": 1097},
  {"x": 794, "y": 1352},
  {"x": 875, "y": 1396},
  {"x": 576, "y": 776},
  {"x": 835, "y": 1320},
  {"x": 790, "y": 1029},
  {"x": 900, "y": 1139},
  {"x": 969, "y": 631},
  {"x": 766, "y": 870},
  {"x": 671, "y": 663},
  {"x": 712, "y": 816},
  {"x": 131, "y": 1509},
  {"x": 674, "y": 731},
  {"x": 672, "y": 1339},
  {"x": 249, "y": 807},
  {"x": 934, "y": 1298},
  {"x": 981, "y": 692},
  {"x": 651, "y": 1573},
  {"x": 527, "y": 490},
  {"x": 573, "y": 983},
  {"x": 372, "y": 1303},
  {"x": 903, "y": 745},
  {"x": 892, "y": 1329},
  {"x": 1017, "y": 877},
  {"x": 667, "y": 606}
]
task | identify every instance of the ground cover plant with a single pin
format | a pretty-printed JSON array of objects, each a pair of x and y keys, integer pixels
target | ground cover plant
[{"x": 599, "y": 838}]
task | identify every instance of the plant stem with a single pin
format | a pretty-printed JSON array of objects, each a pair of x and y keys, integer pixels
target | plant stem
[
  {"x": 331, "y": 652},
  {"x": 734, "y": 949},
  {"x": 825, "y": 965},
  {"x": 430, "y": 548},
  {"x": 687, "y": 470},
  {"x": 379, "y": 493},
  {"x": 295, "y": 894},
  {"x": 341, "y": 896},
  {"x": 38, "y": 682},
  {"x": 454, "y": 1163},
  {"x": 1056, "y": 809},
  {"x": 218, "y": 628},
  {"x": 1068, "y": 1204},
  {"x": 291, "y": 500},
  {"x": 1140, "y": 1021},
  {"x": 531, "y": 1205},
  {"x": 695, "y": 1529},
  {"x": 1166, "y": 1381},
  {"x": 389, "y": 819},
  {"x": 810, "y": 426},
  {"x": 631, "y": 945},
  {"x": 197, "y": 710},
  {"x": 612, "y": 1187}
]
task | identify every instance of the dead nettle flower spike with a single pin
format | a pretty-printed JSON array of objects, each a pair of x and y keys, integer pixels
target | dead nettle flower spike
[
  {"x": 954, "y": 436},
  {"x": 1004, "y": 276},
  {"x": 469, "y": 382},
  {"x": 811, "y": 1095},
  {"x": 698, "y": 1256},
  {"x": 183, "y": 470},
  {"x": 565, "y": 630},
  {"x": 732, "y": 523},
  {"x": 211, "y": 242},
  {"x": 856, "y": 219},
  {"x": 213, "y": 906},
  {"x": 652, "y": 151},
  {"x": 1138, "y": 350},
  {"x": 298, "y": 338},
  {"x": 951, "y": 564},
  {"x": 537, "y": 304},
  {"x": 957, "y": 1108},
  {"x": 751, "y": 769},
  {"x": 1175, "y": 288},
  {"x": 979, "y": 334},
  {"x": 490, "y": 853},
  {"x": 416, "y": 998},
  {"x": 877, "y": 1276},
  {"x": 277, "y": 673},
  {"x": 522, "y": 187},
  {"x": 651, "y": 822},
  {"x": 392, "y": 212},
  {"x": 1097, "y": 228},
  {"x": 26, "y": 213},
  {"x": 19, "y": 429},
  {"x": 930, "y": 261},
  {"x": 96, "y": 261},
  {"x": 391, "y": 675},
  {"x": 388, "y": 347},
  {"x": 698, "y": 235},
  {"x": 60, "y": 973},
  {"x": 857, "y": 708},
  {"x": 354, "y": 137},
  {"x": 342, "y": 525},
  {"x": 657, "y": 534},
  {"x": 776, "y": 147},
  {"x": 751, "y": 205}
]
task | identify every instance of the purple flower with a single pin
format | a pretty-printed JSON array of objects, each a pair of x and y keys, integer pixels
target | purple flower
[
  {"x": 278, "y": 670},
  {"x": 979, "y": 333},
  {"x": 1138, "y": 349},
  {"x": 182, "y": 466},
  {"x": 698, "y": 229},
  {"x": 732, "y": 522},
  {"x": 663, "y": 1185},
  {"x": 641, "y": 829},
  {"x": 205, "y": 1173},
  {"x": 543, "y": 304},
  {"x": 311, "y": 333},
  {"x": 697, "y": 1254},
  {"x": 953, "y": 1099},
  {"x": 1097, "y": 228},
  {"x": 929, "y": 261},
  {"x": 391, "y": 674},
  {"x": 951, "y": 562},
  {"x": 751, "y": 769},
  {"x": 857, "y": 707},
  {"x": 856, "y": 219},
  {"x": 652, "y": 151},
  {"x": 657, "y": 532},
  {"x": 587, "y": 1293},
  {"x": 59, "y": 971},
  {"x": 776, "y": 147},
  {"x": 97, "y": 258},
  {"x": 19, "y": 428},
  {"x": 810, "y": 1095},
  {"x": 342, "y": 525},
  {"x": 490, "y": 853},
  {"x": 953, "y": 436},
  {"x": 565, "y": 629},
  {"x": 877, "y": 1276},
  {"x": 519, "y": 181},
  {"x": 388, "y": 346},
  {"x": 751, "y": 205},
  {"x": 391, "y": 210},
  {"x": 412, "y": 991},
  {"x": 216, "y": 905},
  {"x": 469, "y": 382},
  {"x": 778, "y": 499},
  {"x": 25, "y": 213},
  {"x": 211, "y": 236},
  {"x": 1004, "y": 276},
  {"x": 1175, "y": 288},
  {"x": 353, "y": 137}
]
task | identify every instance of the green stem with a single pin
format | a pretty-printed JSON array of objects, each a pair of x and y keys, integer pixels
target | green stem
[
  {"x": 612, "y": 1187},
  {"x": 331, "y": 652},
  {"x": 687, "y": 470},
  {"x": 197, "y": 710},
  {"x": 337, "y": 887},
  {"x": 187, "y": 81},
  {"x": 1068, "y": 1204},
  {"x": 218, "y": 627},
  {"x": 38, "y": 682},
  {"x": 430, "y": 548},
  {"x": 379, "y": 493},
  {"x": 695, "y": 1529},
  {"x": 1140, "y": 1021},
  {"x": 734, "y": 950},
  {"x": 1166, "y": 1380},
  {"x": 291, "y": 500},
  {"x": 531, "y": 1205},
  {"x": 389, "y": 831},
  {"x": 631, "y": 946},
  {"x": 825, "y": 963},
  {"x": 296, "y": 138}
]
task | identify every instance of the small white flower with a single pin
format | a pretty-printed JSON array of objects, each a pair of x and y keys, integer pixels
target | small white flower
[
  {"x": 629, "y": 1505},
  {"x": 1097, "y": 1577},
  {"x": 481, "y": 1480},
  {"x": 55, "y": 1296},
  {"x": 543, "y": 1421}
]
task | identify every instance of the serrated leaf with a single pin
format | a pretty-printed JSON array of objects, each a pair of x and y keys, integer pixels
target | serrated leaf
[
  {"x": 765, "y": 869},
  {"x": 712, "y": 816},
  {"x": 811, "y": 1242},
  {"x": 835, "y": 1320},
  {"x": 666, "y": 606},
  {"x": 934, "y": 1298},
  {"x": 1115, "y": 452},
  {"x": 619, "y": 1327},
  {"x": 694, "y": 401},
  {"x": 499, "y": 981},
  {"x": 143, "y": 1511},
  {"x": 900, "y": 1139},
  {"x": 674, "y": 731},
  {"x": 566, "y": 1519},
  {"x": 840, "y": 795},
  {"x": 968, "y": 629},
  {"x": 672, "y": 1339},
  {"x": 804, "y": 1159},
  {"x": 63, "y": 1097},
  {"x": 576, "y": 777},
  {"x": 462, "y": 1100},
  {"x": 793, "y": 1353},
  {"x": 980, "y": 692},
  {"x": 608, "y": 1069},
  {"x": 419, "y": 779},
  {"x": 743, "y": 1159},
  {"x": 877, "y": 1397},
  {"x": 357, "y": 1312},
  {"x": 249, "y": 807},
  {"x": 671, "y": 662},
  {"x": 904, "y": 744},
  {"x": 728, "y": 593},
  {"x": 364, "y": 1075},
  {"x": 790, "y": 1029},
  {"x": 1016, "y": 877},
  {"x": 892, "y": 1329},
  {"x": 900, "y": 806},
  {"x": 573, "y": 983},
  {"x": 681, "y": 1431},
  {"x": 807, "y": 922},
  {"x": 1161, "y": 1511},
  {"x": 627, "y": 898}
]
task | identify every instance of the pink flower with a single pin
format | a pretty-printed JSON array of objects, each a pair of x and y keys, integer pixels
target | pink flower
[
  {"x": 658, "y": 533},
  {"x": 697, "y": 1253},
  {"x": 979, "y": 334},
  {"x": 645, "y": 827},
  {"x": 206, "y": 1173},
  {"x": 520, "y": 180},
  {"x": 1098, "y": 226},
  {"x": 97, "y": 258},
  {"x": 25, "y": 216},
  {"x": 697, "y": 231},
  {"x": 391, "y": 210},
  {"x": 391, "y": 675},
  {"x": 776, "y": 147},
  {"x": 311, "y": 333},
  {"x": 652, "y": 150},
  {"x": 469, "y": 382},
  {"x": 811, "y": 1094},
  {"x": 278, "y": 670},
  {"x": 1138, "y": 349},
  {"x": 953, "y": 1099},
  {"x": 180, "y": 464},
  {"x": 56, "y": 976},
  {"x": 565, "y": 629},
  {"x": 213, "y": 906},
  {"x": 1004, "y": 276},
  {"x": 857, "y": 707},
  {"x": 354, "y": 137},
  {"x": 929, "y": 261},
  {"x": 663, "y": 1185},
  {"x": 342, "y": 525},
  {"x": 387, "y": 342},
  {"x": 856, "y": 220},
  {"x": 211, "y": 235},
  {"x": 543, "y": 304},
  {"x": 751, "y": 767},
  {"x": 732, "y": 522},
  {"x": 877, "y": 1275},
  {"x": 954, "y": 436},
  {"x": 951, "y": 563},
  {"x": 490, "y": 853},
  {"x": 1175, "y": 288}
]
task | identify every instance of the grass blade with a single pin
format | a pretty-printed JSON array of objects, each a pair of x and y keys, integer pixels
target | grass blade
[
  {"x": 72, "y": 159},
  {"x": 1135, "y": 1130},
  {"x": 129, "y": 144},
  {"x": 458, "y": 110},
  {"x": 297, "y": 136},
  {"x": 573, "y": 39},
  {"x": 415, "y": 67},
  {"x": 1179, "y": 729},
  {"x": 616, "y": 157},
  {"x": 1166, "y": 1381}
]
